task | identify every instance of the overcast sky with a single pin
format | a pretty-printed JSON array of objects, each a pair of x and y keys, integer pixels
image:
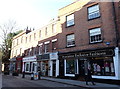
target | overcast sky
[{"x": 31, "y": 13}]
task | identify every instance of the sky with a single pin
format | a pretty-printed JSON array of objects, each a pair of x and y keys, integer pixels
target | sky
[{"x": 31, "y": 13}]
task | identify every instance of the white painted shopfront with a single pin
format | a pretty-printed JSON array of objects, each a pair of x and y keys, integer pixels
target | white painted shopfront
[{"x": 30, "y": 64}]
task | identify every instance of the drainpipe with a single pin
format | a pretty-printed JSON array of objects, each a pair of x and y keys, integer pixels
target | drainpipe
[
  {"x": 116, "y": 28},
  {"x": 117, "y": 72}
]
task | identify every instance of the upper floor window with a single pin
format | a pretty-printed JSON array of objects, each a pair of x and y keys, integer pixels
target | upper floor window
[
  {"x": 46, "y": 31},
  {"x": 54, "y": 28},
  {"x": 20, "y": 51},
  {"x": 34, "y": 36},
  {"x": 54, "y": 44},
  {"x": 46, "y": 46},
  {"x": 70, "y": 20},
  {"x": 17, "y": 41},
  {"x": 95, "y": 35},
  {"x": 70, "y": 40},
  {"x": 21, "y": 39},
  {"x": 26, "y": 39},
  {"x": 40, "y": 48},
  {"x": 30, "y": 38},
  {"x": 93, "y": 12},
  {"x": 40, "y": 33}
]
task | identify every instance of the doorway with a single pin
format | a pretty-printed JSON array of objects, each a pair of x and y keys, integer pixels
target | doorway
[
  {"x": 54, "y": 68},
  {"x": 81, "y": 66}
]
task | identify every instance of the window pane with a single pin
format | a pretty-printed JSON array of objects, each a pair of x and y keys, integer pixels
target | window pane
[
  {"x": 93, "y": 12},
  {"x": 95, "y": 35},
  {"x": 70, "y": 20},
  {"x": 70, "y": 40},
  {"x": 70, "y": 67}
]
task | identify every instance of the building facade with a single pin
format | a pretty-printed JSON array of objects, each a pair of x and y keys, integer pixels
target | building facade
[
  {"x": 84, "y": 35},
  {"x": 89, "y": 39}
]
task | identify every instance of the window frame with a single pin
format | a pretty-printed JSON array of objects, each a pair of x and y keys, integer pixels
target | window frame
[
  {"x": 92, "y": 42},
  {"x": 88, "y": 14},
  {"x": 70, "y": 20},
  {"x": 67, "y": 40}
]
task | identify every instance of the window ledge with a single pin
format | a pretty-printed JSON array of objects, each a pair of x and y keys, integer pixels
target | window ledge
[
  {"x": 70, "y": 46},
  {"x": 70, "y": 26},
  {"x": 96, "y": 42}
]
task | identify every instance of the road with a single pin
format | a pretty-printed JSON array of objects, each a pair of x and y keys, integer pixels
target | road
[{"x": 12, "y": 81}]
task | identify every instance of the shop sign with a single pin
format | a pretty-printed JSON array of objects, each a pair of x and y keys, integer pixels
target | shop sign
[
  {"x": 53, "y": 56},
  {"x": 43, "y": 57},
  {"x": 107, "y": 52},
  {"x": 28, "y": 59}
]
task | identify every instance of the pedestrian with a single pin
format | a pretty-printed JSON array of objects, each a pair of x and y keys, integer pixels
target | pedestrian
[{"x": 88, "y": 77}]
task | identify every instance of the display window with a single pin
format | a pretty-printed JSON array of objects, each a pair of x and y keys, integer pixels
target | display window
[
  {"x": 71, "y": 66},
  {"x": 102, "y": 66}
]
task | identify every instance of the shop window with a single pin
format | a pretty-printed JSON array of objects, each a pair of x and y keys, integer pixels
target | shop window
[
  {"x": 103, "y": 66},
  {"x": 27, "y": 67},
  {"x": 70, "y": 20},
  {"x": 95, "y": 35},
  {"x": 93, "y": 12},
  {"x": 71, "y": 67},
  {"x": 70, "y": 40}
]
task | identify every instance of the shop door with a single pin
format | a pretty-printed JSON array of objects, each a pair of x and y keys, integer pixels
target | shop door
[
  {"x": 81, "y": 68},
  {"x": 54, "y": 68}
]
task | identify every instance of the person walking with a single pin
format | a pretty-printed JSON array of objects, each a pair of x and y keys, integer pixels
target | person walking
[{"x": 88, "y": 77}]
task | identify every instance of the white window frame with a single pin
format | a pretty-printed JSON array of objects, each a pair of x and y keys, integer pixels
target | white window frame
[
  {"x": 93, "y": 12},
  {"x": 28, "y": 66},
  {"x": 70, "y": 20},
  {"x": 54, "y": 28},
  {"x": 73, "y": 39},
  {"x": 46, "y": 47},
  {"x": 95, "y": 32},
  {"x": 72, "y": 75}
]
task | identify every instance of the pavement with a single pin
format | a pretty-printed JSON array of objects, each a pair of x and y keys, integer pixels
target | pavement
[{"x": 76, "y": 83}]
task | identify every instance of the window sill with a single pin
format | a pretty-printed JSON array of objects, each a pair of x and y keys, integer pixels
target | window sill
[
  {"x": 96, "y": 42},
  {"x": 70, "y": 46},
  {"x": 70, "y": 26}
]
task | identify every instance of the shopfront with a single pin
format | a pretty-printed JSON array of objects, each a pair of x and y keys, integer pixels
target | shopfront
[
  {"x": 43, "y": 63},
  {"x": 103, "y": 62},
  {"x": 19, "y": 64},
  {"x": 54, "y": 64},
  {"x": 30, "y": 64},
  {"x": 12, "y": 65}
]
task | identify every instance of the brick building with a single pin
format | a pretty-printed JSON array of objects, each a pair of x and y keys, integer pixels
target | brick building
[
  {"x": 89, "y": 40},
  {"x": 85, "y": 35}
]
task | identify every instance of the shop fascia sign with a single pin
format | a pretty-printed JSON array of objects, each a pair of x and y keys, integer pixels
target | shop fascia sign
[
  {"x": 43, "y": 57},
  {"x": 107, "y": 52},
  {"x": 33, "y": 58},
  {"x": 53, "y": 56}
]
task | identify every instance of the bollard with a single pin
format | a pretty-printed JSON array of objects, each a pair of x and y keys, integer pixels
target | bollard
[
  {"x": 23, "y": 76},
  {"x": 39, "y": 75}
]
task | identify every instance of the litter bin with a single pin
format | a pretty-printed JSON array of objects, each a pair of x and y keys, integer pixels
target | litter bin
[{"x": 35, "y": 75}]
